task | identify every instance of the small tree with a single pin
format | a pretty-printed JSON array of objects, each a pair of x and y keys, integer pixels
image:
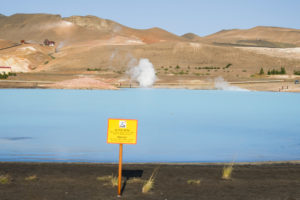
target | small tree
[
  {"x": 261, "y": 72},
  {"x": 283, "y": 70}
]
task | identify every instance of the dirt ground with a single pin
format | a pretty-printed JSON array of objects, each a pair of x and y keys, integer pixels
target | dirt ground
[
  {"x": 114, "y": 81},
  {"x": 79, "y": 181}
]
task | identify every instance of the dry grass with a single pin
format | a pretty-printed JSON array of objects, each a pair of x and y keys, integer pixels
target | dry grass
[
  {"x": 31, "y": 178},
  {"x": 5, "y": 179},
  {"x": 148, "y": 185},
  {"x": 194, "y": 182},
  {"x": 104, "y": 178},
  {"x": 135, "y": 180},
  {"x": 110, "y": 180},
  {"x": 227, "y": 171},
  {"x": 114, "y": 181}
]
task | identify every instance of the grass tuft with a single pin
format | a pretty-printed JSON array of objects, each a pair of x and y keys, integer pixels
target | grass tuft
[
  {"x": 227, "y": 171},
  {"x": 148, "y": 185},
  {"x": 104, "y": 178},
  {"x": 110, "y": 180},
  {"x": 5, "y": 179},
  {"x": 114, "y": 181},
  {"x": 194, "y": 182},
  {"x": 31, "y": 178},
  {"x": 135, "y": 180}
]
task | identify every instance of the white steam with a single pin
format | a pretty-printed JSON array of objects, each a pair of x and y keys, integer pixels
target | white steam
[
  {"x": 143, "y": 73},
  {"x": 221, "y": 84},
  {"x": 113, "y": 55},
  {"x": 59, "y": 46}
]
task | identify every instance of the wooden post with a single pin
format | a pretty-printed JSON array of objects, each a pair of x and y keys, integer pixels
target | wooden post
[{"x": 120, "y": 169}]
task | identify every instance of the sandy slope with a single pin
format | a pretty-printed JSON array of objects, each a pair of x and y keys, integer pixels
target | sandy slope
[{"x": 93, "y": 43}]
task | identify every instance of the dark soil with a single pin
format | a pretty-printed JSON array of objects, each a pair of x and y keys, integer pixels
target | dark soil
[{"x": 57, "y": 181}]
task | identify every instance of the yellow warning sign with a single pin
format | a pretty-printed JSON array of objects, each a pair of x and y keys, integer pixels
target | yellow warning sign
[{"x": 122, "y": 131}]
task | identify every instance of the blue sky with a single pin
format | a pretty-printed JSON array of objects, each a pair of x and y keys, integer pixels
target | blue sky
[{"x": 202, "y": 17}]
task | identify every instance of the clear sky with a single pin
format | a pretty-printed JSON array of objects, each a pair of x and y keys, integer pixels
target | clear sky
[{"x": 201, "y": 17}]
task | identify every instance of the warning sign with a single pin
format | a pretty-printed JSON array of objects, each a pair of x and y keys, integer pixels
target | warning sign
[{"x": 122, "y": 131}]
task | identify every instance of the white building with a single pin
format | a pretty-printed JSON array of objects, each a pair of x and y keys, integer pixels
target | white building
[{"x": 5, "y": 69}]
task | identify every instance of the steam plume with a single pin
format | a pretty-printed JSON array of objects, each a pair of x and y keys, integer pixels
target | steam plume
[
  {"x": 143, "y": 73},
  {"x": 60, "y": 45},
  {"x": 221, "y": 84}
]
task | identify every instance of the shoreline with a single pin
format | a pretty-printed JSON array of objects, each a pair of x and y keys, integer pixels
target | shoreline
[
  {"x": 296, "y": 162},
  {"x": 72, "y": 181},
  {"x": 262, "y": 86}
]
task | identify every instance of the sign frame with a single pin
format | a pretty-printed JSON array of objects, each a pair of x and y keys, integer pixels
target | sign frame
[{"x": 122, "y": 120}]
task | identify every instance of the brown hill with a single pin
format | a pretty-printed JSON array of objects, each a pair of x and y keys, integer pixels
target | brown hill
[
  {"x": 98, "y": 47},
  {"x": 260, "y": 36},
  {"x": 37, "y": 27},
  {"x": 191, "y": 36},
  {"x": 152, "y": 35}
]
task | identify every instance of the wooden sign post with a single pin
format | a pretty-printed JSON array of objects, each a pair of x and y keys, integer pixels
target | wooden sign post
[{"x": 121, "y": 131}]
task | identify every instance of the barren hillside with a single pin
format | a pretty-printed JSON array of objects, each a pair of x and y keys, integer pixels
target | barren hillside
[
  {"x": 101, "y": 48},
  {"x": 260, "y": 36}
]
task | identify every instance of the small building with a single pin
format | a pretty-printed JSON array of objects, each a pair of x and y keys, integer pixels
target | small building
[
  {"x": 24, "y": 42},
  {"x": 49, "y": 43},
  {"x": 5, "y": 69}
]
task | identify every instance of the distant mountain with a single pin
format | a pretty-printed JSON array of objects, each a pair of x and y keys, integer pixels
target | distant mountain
[
  {"x": 191, "y": 36},
  {"x": 89, "y": 42},
  {"x": 260, "y": 36},
  {"x": 38, "y": 27}
]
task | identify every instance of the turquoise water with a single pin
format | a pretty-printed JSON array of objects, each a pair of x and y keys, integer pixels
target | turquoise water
[{"x": 174, "y": 125}]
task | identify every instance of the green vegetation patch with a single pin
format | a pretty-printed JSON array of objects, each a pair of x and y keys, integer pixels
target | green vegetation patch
[
  {"x": 276, "y": 72},
  {"x": 51, "y": 56},
  {"x": 207, "y": 67},
  {"x": 227, "y": 66},
  {"x": 6, "y": 75},
  {"x": 297, "y": 72},
  {"x": 93, "y": 69},
  {"x": 261, "y": 72}
]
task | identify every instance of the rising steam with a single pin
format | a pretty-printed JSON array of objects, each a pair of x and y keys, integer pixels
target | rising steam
[
  {"x": 143, "y": 73},
  {"x": 60, "y": 45},
  {"x": 221, "y": 84}
]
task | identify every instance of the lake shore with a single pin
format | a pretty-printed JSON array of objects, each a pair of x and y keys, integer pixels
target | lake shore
[
  {"x": 251, "y": 86},
  {"x": 266, "y": 180},
  {"x": 110, "y": 82}
]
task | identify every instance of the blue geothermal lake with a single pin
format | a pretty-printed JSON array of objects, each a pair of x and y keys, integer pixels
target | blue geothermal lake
[{"x": 175, "y": 125}]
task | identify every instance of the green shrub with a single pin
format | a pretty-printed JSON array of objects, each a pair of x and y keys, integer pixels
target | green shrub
[
  {"x": 261, "y": 72},
  {"x": 297, "y": 72},
  {"x": 276, "y": 72},
  {"x": 227, "y": 66},
  {"x": 3, "y": 76},
  {"x": 51, "y": 56},
  {"x": 208, "y": 67},
  {"x": 94, "y": 69}
]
